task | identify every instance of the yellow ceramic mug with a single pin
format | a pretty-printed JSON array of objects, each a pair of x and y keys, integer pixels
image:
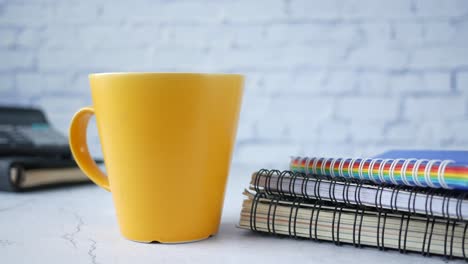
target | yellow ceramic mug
[{"x": 167, "y": 141}]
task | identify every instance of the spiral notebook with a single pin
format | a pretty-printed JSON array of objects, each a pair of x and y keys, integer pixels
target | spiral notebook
[
  {"x": 321, "y": 220},
  {"x": 448, "y": 204},
  {"x": 434, "y": 169}
]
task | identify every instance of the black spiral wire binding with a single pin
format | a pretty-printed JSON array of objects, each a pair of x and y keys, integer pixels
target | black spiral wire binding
[
  {"x": 279, "y": 183},
  {"x": 295, "y": 205},
  {"x": 292, "y": 183},
  {"x": 304, "y": 185},
  {"x": 460, "y": 199},
  {"x": 312, "y": 219},
  {"x": 253, "y": 210},
  {"x": 317, "y": 189},
  {"x": 316, "y": 221},
  {"x": 268, "y": 176},
  {"x": 379, "y": 213},
  {"x": 428, "y": 251},
  {"x": 331, "y": 189},
  {"x": 360, "y": 227},
  {"x": 281, "y": 177},
  {"x": 402, "y": 221},
  {"x": 423, "y": 248},
  {"x": 273, "y": 222},
  {"x": 454, "y": 223},
  {"x": 295, "y": 216},
  {"x": 394, "y": 198},
  {"x": 428, "y": 203},
  {"x": 381, "y": 235},
  {"x": 447, "y": 224},
  {"x": 445, "y": 204},
  {"x": 337, "y": 209},
  {"x": 339, "y": 227},
  {"x": 270, "y": 205},
  {"x": 383, "y": 230},
  {"x": 356, "y": 213},
  {"x": 256, "y": 181},
  {"x": 378, "y": 197},
  {"x": 463, "y": 241},
  {"x": 346, "y": 185},
  {"x": 409, "y": 200},
  {"x": 357, "y": 194}
]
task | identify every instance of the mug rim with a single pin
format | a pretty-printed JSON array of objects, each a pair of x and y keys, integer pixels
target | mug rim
[{"x": 201, "y": 74}]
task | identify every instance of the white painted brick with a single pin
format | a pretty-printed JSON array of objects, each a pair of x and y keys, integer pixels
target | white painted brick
[
  {"x": 333, "y": 131},
  {"x": 437, "y": 82},
  {"x": 309, "y": 9},
  {"x": 79, "y": 86},
  {"x": 57, "y": 37},
  {"x": 365, "y": 131},
  {"x": 26, "y": 14},
  {"x": 255, "y": 84},
  {"x": 112, "y": 37},
  {"x": 216, "y": 35},
  {"x": 310, "y": 33},
  {"x": 335, "y": 78},
  {"x": 60, "y": 110},
  {"x": 438, "y": 57},
  {"x": 441, "y": 32},
  {"x": 375, "y": 33},
  {"x": 462, "y": 82},
  {"x": 76, "y": 11},
  {"x": 435, "y": 108},
  {"x": 296, "y": 109},
  {"x": 376, "y": 9},
  {"x": 15, "y": 60},
  {"x": 408, "y": 34},
  {"x": 33, "y": 84},
  {"x": 29, "y": 84},
  {"x": 254, "y": 108},
  {"x": 245, "y": 10},
  {"x": 166, "y": 11},
  {"x": 104, "y": 60},
  {"x": 29, "y": 38},
  {"x": 266, "y": 154},
  {"x": 435, "y": 8},
  {"x": 433, "y": 132},
  {"x": 326, "y": 149},
  {"x": 429, "y": 132},
  {"x": 183, "y": 59},
  {"x": 402, "y": 131},
  {"x": 368, "y": 108},
  {"x": 372, "y": 84},
  {"x": 245, "y": 131},
  {"x": 418, "y": 82},
  {"x": 319, "y": 83},
  {"x": 376, "y": 57},
  {"x": 316, "y": 56},
  {"x": 7, "y": 82},
  {"x": 7, "y": 37},
  {"x": 297, "y": 118},
  {"x": 458, "y": 134}
]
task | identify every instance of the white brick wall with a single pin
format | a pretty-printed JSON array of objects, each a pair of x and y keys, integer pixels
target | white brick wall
[{"x": 339, "y": 77}]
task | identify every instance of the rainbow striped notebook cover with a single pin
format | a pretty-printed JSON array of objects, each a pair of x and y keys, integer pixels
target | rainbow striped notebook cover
[{"x": 421, "y": 168}]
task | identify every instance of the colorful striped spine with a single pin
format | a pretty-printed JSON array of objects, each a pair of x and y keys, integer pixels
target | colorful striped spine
[{"x": 412, "y": 172}]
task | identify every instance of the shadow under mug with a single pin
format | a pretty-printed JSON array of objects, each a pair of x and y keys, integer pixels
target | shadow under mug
[{"x": 167, "y": 141}]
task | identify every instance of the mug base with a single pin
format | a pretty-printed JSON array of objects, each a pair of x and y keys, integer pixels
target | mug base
[{"x": 171, "y": 242}]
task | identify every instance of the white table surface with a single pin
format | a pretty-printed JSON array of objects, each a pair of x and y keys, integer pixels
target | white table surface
[{"x": 78, "y": 225}]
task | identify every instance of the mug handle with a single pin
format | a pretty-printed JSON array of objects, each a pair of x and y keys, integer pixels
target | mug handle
[{"x": 79, "y": 148}]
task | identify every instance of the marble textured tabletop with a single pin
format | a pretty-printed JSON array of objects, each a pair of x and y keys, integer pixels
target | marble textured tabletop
[{"x": 78, "y": 225}]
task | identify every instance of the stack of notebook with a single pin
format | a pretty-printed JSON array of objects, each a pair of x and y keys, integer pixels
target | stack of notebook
[{"x": 411, "y": 201}]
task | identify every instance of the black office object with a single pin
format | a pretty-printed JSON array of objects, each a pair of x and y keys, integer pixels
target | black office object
[
  {"x": 26, "y": 132},
  {"x": 32, "y": 153}
]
